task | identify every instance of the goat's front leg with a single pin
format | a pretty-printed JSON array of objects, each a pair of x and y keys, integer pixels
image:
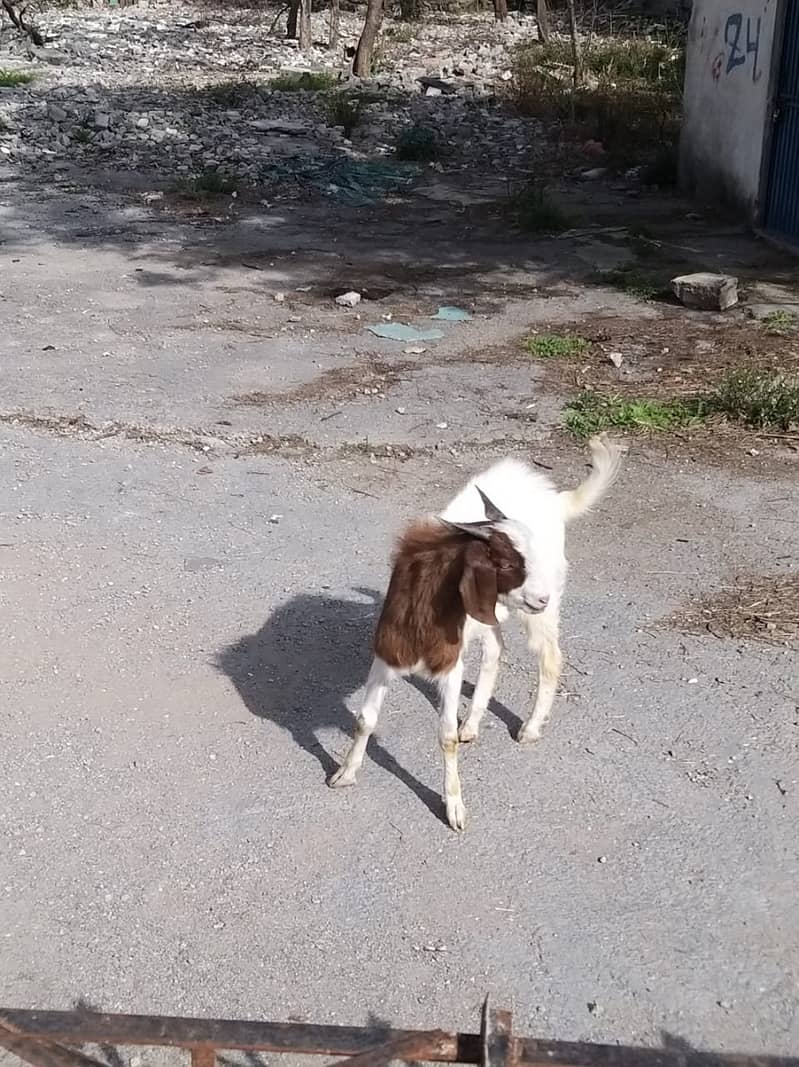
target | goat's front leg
[
  {"x": 486, "y": 680},
  {"x": 376, "y": 686},
  {"x": 542, "y": 639},
  {"x": 448, "y": 740}
]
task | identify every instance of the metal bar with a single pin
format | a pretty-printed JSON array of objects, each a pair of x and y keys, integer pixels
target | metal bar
[
  {"x": 420, "y": 1046},
  {"x": 203, "y": 1057},
  {"x": 41, "y": 1034},
  {"x": 498, "y": 1050},
  {"x": 41, "y": 1053},
  {"x": 532, "y": 1053},
  {"x": 89, "y": 1027}
]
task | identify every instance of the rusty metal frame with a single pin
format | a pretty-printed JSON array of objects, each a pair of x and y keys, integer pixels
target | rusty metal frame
[{"x": 51, "y": 1039}]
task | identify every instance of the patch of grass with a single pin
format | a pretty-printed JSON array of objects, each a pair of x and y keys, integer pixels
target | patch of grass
[
  {"x": 416, "y": 144},
  {"x": 296, "y": 81},
  {"x": 647, "y": 60},
  {"x": 554, "y": 346},
  {"x": 344, "y": 109},
  {"x": 591, "y": 413},
  {"x": 780, "y": 321},
  {"x": 634, "y": 281},
  {"x": 209, "y": 183},
  {"x": 10, "y": 79},
  {"x": 231, "y": 93},
  {"x": 82, "y": 135},
  {"x": 758, "y": 398},
  {"x": 535, "y": 212},
  {"x": 630, "y": 101},
  {"x": 653, "y": 61}
]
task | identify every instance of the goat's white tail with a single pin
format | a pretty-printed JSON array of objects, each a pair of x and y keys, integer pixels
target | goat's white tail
[{"x": 605, "y": 465}]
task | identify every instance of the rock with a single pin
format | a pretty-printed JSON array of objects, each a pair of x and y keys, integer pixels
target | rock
[
  {"x": 102, "y": 120},
  {"x": 56, "y": 113},
  {"x": 432, "y": 90},
  {"x": 271, "y": 126},
  {"x": 428, "y": 82},
  {"x": 594, "y": 173},
  {"x": 348, "y": 300},
  {"x": 705, "y": 291}
]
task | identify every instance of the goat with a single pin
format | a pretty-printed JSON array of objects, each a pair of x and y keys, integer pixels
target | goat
[{"x": 497, "y": 547}]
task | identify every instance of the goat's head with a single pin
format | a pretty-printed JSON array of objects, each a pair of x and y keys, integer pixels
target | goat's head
[{"x": 504, "y": 564}]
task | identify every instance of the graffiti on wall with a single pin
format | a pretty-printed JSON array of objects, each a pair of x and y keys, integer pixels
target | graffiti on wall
[{"x": 741, "y": 47}]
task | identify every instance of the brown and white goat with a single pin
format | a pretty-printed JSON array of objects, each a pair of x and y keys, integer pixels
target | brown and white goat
[{"x": 498, "y": 547}]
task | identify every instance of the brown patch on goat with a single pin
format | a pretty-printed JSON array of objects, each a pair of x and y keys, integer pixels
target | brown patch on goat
[{"x": 439, "y": 576}]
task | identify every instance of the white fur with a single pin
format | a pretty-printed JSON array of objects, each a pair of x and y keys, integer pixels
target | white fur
[{"x": 536, "y": 516}]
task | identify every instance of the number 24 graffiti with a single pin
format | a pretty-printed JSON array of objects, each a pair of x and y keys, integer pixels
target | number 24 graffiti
[{"x": 739, "y": 46}]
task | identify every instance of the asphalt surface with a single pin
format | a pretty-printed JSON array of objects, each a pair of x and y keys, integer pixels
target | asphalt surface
[{"x": 185, "y": 632}]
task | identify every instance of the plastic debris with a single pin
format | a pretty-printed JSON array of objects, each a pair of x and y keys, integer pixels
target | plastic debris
[
  {"x": 401, "y": 331},
  {"x": 452, "y": 314}
]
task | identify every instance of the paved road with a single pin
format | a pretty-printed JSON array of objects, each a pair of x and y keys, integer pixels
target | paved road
[{"x": 183, "y": 635}]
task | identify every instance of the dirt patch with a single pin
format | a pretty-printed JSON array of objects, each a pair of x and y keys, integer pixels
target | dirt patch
[
  {"x": 759, "y": 608},
  {"x": 370, "y": 378},
  {"x": 675, "y": 355}
]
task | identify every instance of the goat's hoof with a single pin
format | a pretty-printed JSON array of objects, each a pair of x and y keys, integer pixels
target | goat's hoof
[
  {"x": 341, "y": 778},
  {"x": 456, "y": 813},
  {"x": 528, "y": 737},
  {"x": 468, "y": 733}
]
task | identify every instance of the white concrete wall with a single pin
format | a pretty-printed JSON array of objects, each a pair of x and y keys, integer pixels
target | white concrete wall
[{"x": 726, "y": 101}]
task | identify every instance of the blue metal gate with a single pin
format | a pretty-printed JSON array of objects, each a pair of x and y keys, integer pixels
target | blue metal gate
[{"x": 782, "y": 198}]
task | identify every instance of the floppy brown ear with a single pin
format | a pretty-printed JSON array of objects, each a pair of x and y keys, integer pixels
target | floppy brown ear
[{"x": 478, "y": 585}]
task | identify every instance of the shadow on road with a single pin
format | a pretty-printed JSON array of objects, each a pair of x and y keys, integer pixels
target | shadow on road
[{"x": 302, "y": 667}]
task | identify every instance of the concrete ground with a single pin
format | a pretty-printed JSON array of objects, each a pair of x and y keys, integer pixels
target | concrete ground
[{"x": 189, "y": 585}]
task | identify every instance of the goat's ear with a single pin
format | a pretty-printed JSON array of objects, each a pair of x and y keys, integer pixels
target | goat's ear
[
  {"x": 493, "y": 514},
  {"x": 481, "y": 530},
  {"x": 478, "y": 586}
]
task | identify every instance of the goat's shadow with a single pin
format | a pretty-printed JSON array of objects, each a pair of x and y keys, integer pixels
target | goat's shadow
[{"x": 303, "y": 665}]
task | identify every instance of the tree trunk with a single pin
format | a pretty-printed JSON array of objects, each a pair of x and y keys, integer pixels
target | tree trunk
[
  {"x": 362, "y": 65},
  {"x": 305, "y": 26},
  {"x": 332, "y": 36},
  {"x": 500, "y": 10},
  {"x": 410, "y": 10},
  {"x": 18, "y": 20},
  {"x": 294, "y": 14},
  {"x": 543, "y": 22},
  {"x": 577, "y": 53}
]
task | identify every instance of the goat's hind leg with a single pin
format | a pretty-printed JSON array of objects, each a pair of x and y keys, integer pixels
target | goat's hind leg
[
  {"x": 542, "y": 639},
  {"x": 486, "y": 680},
  {"x": 376, "y": 686}
]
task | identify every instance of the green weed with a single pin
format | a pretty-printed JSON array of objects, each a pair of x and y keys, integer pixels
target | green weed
[
  {"x": 416, "y": 144},
  {"x": 591, "y": 412},
  {"x": 295, "y": 81},
  {"x": 11, "y": 79},
  {"x": 231, "y": 93},
  {"x": 533, "y": 211},
  {"x": 554, "y": 346},
  {"x": 758, "y": 398},
  {"x": 344, "y": 109},
  {"x": 633, "y": 281},
  {"x": 209, "y": 183},
  {"x": 780, "y": 321}
]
